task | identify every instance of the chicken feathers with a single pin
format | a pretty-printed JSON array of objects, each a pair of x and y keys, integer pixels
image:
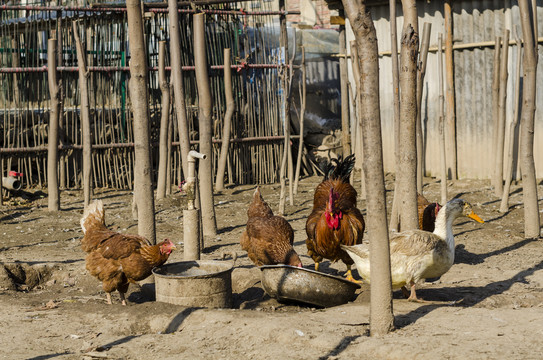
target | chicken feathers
[
  {"x": 335, "y": 220},
  {"x": 118, "y": 259},
  {"x": 268, "y": 239}
]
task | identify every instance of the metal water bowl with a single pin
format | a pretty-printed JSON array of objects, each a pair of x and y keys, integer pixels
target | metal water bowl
[{"x": 286, "y": 282}]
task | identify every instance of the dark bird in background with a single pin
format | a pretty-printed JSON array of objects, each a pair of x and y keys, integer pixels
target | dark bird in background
[
  {"x": 268, "y": 239},
  {"x": 427, "y": 213},
  {"x": 335, "y": 219}
]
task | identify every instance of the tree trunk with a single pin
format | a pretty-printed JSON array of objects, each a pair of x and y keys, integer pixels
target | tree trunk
[
  {"x": 395, "y": 216},
  {"x": 423, "y": 56},
  {"x": 205, "y": 123},
  {"x": 178, "y": 89},
  {"x": 495, "y": 100},
  {"x": 381, "y": 315},
  {"x": 143, "y": 187},
  {"x": 164, "y": 122},
  {"x": 451, "y": 109},
  {"x": 498, "y": 150},
  {"x": 442, "y": 148},
  {"x": 85, "y": 117},
  {"x": 529, "y": 184},
  {"x": 408, "y": 109},
  {"x": 230, "y": 108},
  {"x": 52, "y": 137}
]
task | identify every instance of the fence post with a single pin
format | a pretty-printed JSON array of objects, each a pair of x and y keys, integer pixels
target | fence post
[{"x": 52, "y": 138}]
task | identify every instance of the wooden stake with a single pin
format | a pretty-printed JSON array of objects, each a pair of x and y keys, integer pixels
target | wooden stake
[
  {"x": 230, "y": 108},
  {"x": 178, "y": 88},
  {"x": 504, "y": 206},
  {"x": 451, "y": 108},
  {"x": 164, "y": 122},
  {"x": 205, "y": 132},
  {"x": 394, "y": 216},
  {"x": 499, "y": 151},
  {"x": 52, "y": 138},
  {"x": 143, "y": 185},
  {"x": 85, "y": 117},
  {"x": 495, "y": 101},
  {"x": 421, "y": 71},
  {"x": 303, "y": 94},
  {"x": 442, "y": 147},
  {"x": 345, "y": 122}
]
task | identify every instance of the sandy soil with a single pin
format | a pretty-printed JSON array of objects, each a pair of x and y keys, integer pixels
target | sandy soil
[{"x": 488, "y": 306}]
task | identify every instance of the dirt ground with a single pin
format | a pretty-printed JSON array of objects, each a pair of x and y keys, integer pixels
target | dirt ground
[{"x": 488, "y": 306}]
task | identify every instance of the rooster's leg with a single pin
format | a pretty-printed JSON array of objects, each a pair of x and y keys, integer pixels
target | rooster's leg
[
  {"x": 413, "y": 297},
  {"x": 405, "y": 292},
  {"x": 350, "y": 277},
  {"x": 123, "y": 300},
  {"x": 316, "y": 266},
  {"x": 108, "y": 295}
]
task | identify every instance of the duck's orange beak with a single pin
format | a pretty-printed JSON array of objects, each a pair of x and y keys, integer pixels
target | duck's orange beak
[{"x": 475, "y": 217}]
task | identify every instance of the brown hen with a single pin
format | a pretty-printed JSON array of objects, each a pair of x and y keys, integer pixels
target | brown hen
[
  {"x": 268, "y": 239},
  {"x": 118, "y": 259},
  {"x": 335, "y": 219},
  {"x": 427, "y": 213}
]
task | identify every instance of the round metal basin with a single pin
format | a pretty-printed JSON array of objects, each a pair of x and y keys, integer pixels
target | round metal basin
[
  {"x": 198, "y": 283},
  {"x": 286, "y": 282}
]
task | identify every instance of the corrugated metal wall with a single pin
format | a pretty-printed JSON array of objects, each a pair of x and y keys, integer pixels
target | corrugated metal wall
[{"x": 473, "y": 21}]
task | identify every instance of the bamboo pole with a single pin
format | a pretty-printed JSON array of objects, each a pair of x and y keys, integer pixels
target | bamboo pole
[
  {"x": 164, "y": 122},
  {"x": 499, "y": 150},
  {"x": 394, "y": 224},
  {"x": 52, "y": 138},
  {"x": 495, "y": 101},
  {"x": 504, "y": 206},
  {"x": 421, "y": 72},
  {"x": 442, "y": 147},
  {"x": 178, "y": 88},
  {"x": 303, "y": 94},
  {"x": 205, "y": 127},
  {"x": 230, "y": 108},
  {"x": 85, "y": 117},
  {"x": 143, "y": 185},
  {"x": 450, "y": 98}
]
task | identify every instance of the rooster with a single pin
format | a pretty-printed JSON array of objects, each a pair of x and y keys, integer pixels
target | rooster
[
  {"x": 118, "y": 259},
  {"x": 427, "y": 213},
  {"x": 268, "y": 239},
  {"x": 335, "y": 219}
]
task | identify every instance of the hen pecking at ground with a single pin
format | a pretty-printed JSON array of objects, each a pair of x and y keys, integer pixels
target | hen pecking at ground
[{"x": 118, "y": 259}]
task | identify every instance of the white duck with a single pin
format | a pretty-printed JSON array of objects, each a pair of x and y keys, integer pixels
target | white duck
[{"x": 417, "y": 254}]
